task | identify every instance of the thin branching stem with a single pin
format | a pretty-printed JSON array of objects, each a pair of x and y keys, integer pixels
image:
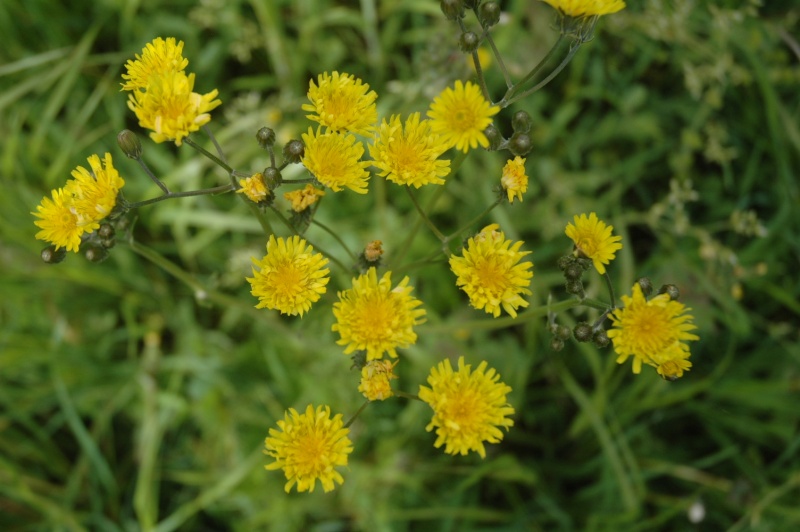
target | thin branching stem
[
  {"x": 573, "y": 50},
  {"x": 530, "y": 75},
  {"x": 152, "y": 176},
  {"x": 171, "y": 195},
  {"x": 208, "y": 154},
  {"x": 358, "y": 413},
  {"x": 294, "y": 230},
  {"x": 213, "y": 139},
  {"x": 336, "y": 237},
  {"x": 425, "y": 218}
]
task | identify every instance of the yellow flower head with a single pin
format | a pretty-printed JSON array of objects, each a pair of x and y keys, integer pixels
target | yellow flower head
[
  {"x": 335, "y": 160},
  {"x": 374, "y": 317},
  {"x": 469, "y": 407},
  {"x": 342, "y": 102},
  {"x": 593, "y": 240},
  {"x": 254, "y": 188},
  {"x": 653, "y": 332},
  {"x": 290, "y": 277},
  {"x": 490, "y": 272},
  {"x": 460, "y": 115},
  {"x": 304, "y": 198},
  {"x": 587, "y": 8},
  {"x": 375, "y": 377},
  {"x": 410, "y": 155},
  {"x": 79, "y": 207},
  {"x": 308, "y": 447},
  {"x": 158, "y": 57},
  {"x": 514, "y": 180},
  {"x": 170, "y": 108}
]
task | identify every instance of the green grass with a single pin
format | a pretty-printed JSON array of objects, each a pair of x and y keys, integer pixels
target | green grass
[{"x": 136, "y": 398}]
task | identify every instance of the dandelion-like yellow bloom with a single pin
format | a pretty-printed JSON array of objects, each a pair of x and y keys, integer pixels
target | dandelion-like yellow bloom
[
  {"x": 335, "y": 160},
  {"x": 653, "y": 332},
  {"x": 514, "y": 180},
  {"x": 79, "y": 207},
  {"x": 375, "y": 377},
  {"x": 254, "y": 188},
  {"x": 342, "y": 102},
  {"x": 410, "y": 155},
  {"x": 304, "y": 198},
  {"x": 491, "y": 274},
  {"x": 469, "y": 407},
  {"x": 308, "y": 447},
  {"x": 290, "y": 277},
  {"x": 158, "y": 57},
  {"x": 587, "y": 8},
  {"x": 593, "y": 240},
  {"x": 170, "y": 108},
  {"x": 461, "y": 114},
  {"x": 374, "y": 317}
]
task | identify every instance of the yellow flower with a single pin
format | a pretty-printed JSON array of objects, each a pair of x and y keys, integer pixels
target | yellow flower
[
  {"x": 170, "y": 108},
  {"x": 290, "y": 277},
  {"x": 308, "y": 447},
  {"x": 158, "y": 57},
  {"x": 469, "y": 407},
  {"x": 593, "y": 240},
  {"x": 490, "y": 273},
  {"x": 410, "y": 155},
  {"x": 254, "y": 188},
  {"x": 514, "y": 180},
  {"x": 335, "y": 160},
  {"x": 653, "y": 332},
  {"x": 375, "y": 377},
  {"x": 304, "y": 198},
  {"x": 58, "y": 224},
  {"x": 342, "y": 102},
  {"x": 375, "y": 317},
  {"x": 586, "y": 8},
  {"x": 460, "y": 115}
]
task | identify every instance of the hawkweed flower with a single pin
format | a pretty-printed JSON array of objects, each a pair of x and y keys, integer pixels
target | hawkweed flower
[
  {"x": 460, "y": 115},
  {"x": 170, "y": 108},
  {"x": 593, "y": 240},
  {"x": 514, "y": 180},
  {"x": 375, "y": 377},
  {"x": 335, "y": 160},
  {"x": 409, "y": 155},
  {"x": 490, "y": 272},
  {"x": 158, "y": 57},
  {"x": 469, "y": 407},
  {"x": 342, "y": 102},
  {"x": 290, "y": 277},
  {"x": 308, "y": 447},
  {"x": 376, "y": 318},
  {"x": 57, "y": 223},
  {"x": 586, "y": 8},
  {"x": 304, "y": 198},
  {"x": 254, "y": 188},
  {"x": 653, "y": 332}
]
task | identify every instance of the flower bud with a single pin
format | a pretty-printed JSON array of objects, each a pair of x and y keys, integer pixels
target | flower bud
[
  {"x": 489, "y": 13},
  {"x": 573, "y": 272},
  {"x": 272, "y": 178},
  {"x": 452, "y": 9},
  {"x": 108, "y": 243},
  {"x": 373, "y": 251},
  {"x": 574, "y": 287},
  {"x": 563, "y": 332},
  {"x": 106, "y": 231},
  {"x": 494, "y": 136},
  {"x": 294, "y": 150},
  {"x": 468, "y": 42},
  {"x": 646, "y": 285},
  {"x": 521, "y": 122},
  {"x": 94, "y": 253},
  {"x": 563, "y": 262},
  {"x": 51, "y": 255},
  {"x": 359, "y": 360},
  {"x": 265, "y": 137},
  {"x": 556, "y": 344},
  {"x": 129, "y": 144},
  {"x": 583, "y": 332},
  {"x": 520, "y": 144},
  {"x": 671, "y": 290},
  {"x": 600, "y": 339}
]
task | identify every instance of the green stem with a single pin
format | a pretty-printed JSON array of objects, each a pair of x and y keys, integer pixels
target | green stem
[
  {"x": 474, "y": 220},
  {"x": 573, "y": 50},
  {"x": 300, "y": 181},
  {"x": 207, "y": 131},
  {"x": 358, "y": 413},
  {"x": 187, "y": 194},
  {"x": 152, "y": 176},
  {"x": 424, "y": 216},
  {"x": 292, "y": 228},
  {"x": 336, "y": 237},
  {"x": 208, "y": 154},
  {"x": 535, "y": 70},
  {"x": 478, "y": 70},
  {"x": 405, "y": 395},
  {"x": 499, "y": 59},
  {"x": 610, "y": 290}
]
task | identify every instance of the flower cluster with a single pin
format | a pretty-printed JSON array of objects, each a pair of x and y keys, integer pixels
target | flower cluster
[
  {"x": 162, "y": 94},
  {"x": 78, "y": 208},
  {"x": 593, "y": 240}
]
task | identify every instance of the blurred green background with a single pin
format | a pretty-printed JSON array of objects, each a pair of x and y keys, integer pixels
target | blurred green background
[{"x": 132, "y": 398}]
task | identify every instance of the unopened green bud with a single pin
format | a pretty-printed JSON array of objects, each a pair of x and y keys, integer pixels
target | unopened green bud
[
  {"x": 646, "y": 285},
  {"x": 494, "y": 136},
  {"x": 129, "y": 144},
  {"x": 583, "y": 332},
  {"x": 563, "y": 262},
  {"x": 600, "y": 339},
  {"x": 671, "y": 290},
  {"x": 520, "y": 144},
  {"x": 106, "y": 231},
  {"x": 489, "y": 13},
  {"x": 51, "y": 255},
  {"x": 95, "y": 253},
  {"x": 556, "y": 344},
  {"x": 359, "y": 360},
  {"x": 574, "y": 287},
  {"x": 563, "y": 332},
  {"x": 573, "y": 272},
  {"x": 272, "y": 178},
  {"x": 468, "y": 42},
  {"x": 265, "y": 137},
  {"x": 294, "y": 150},
  {"x": 452, "y": 9},
  {"x": 521, "y": 122}
]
